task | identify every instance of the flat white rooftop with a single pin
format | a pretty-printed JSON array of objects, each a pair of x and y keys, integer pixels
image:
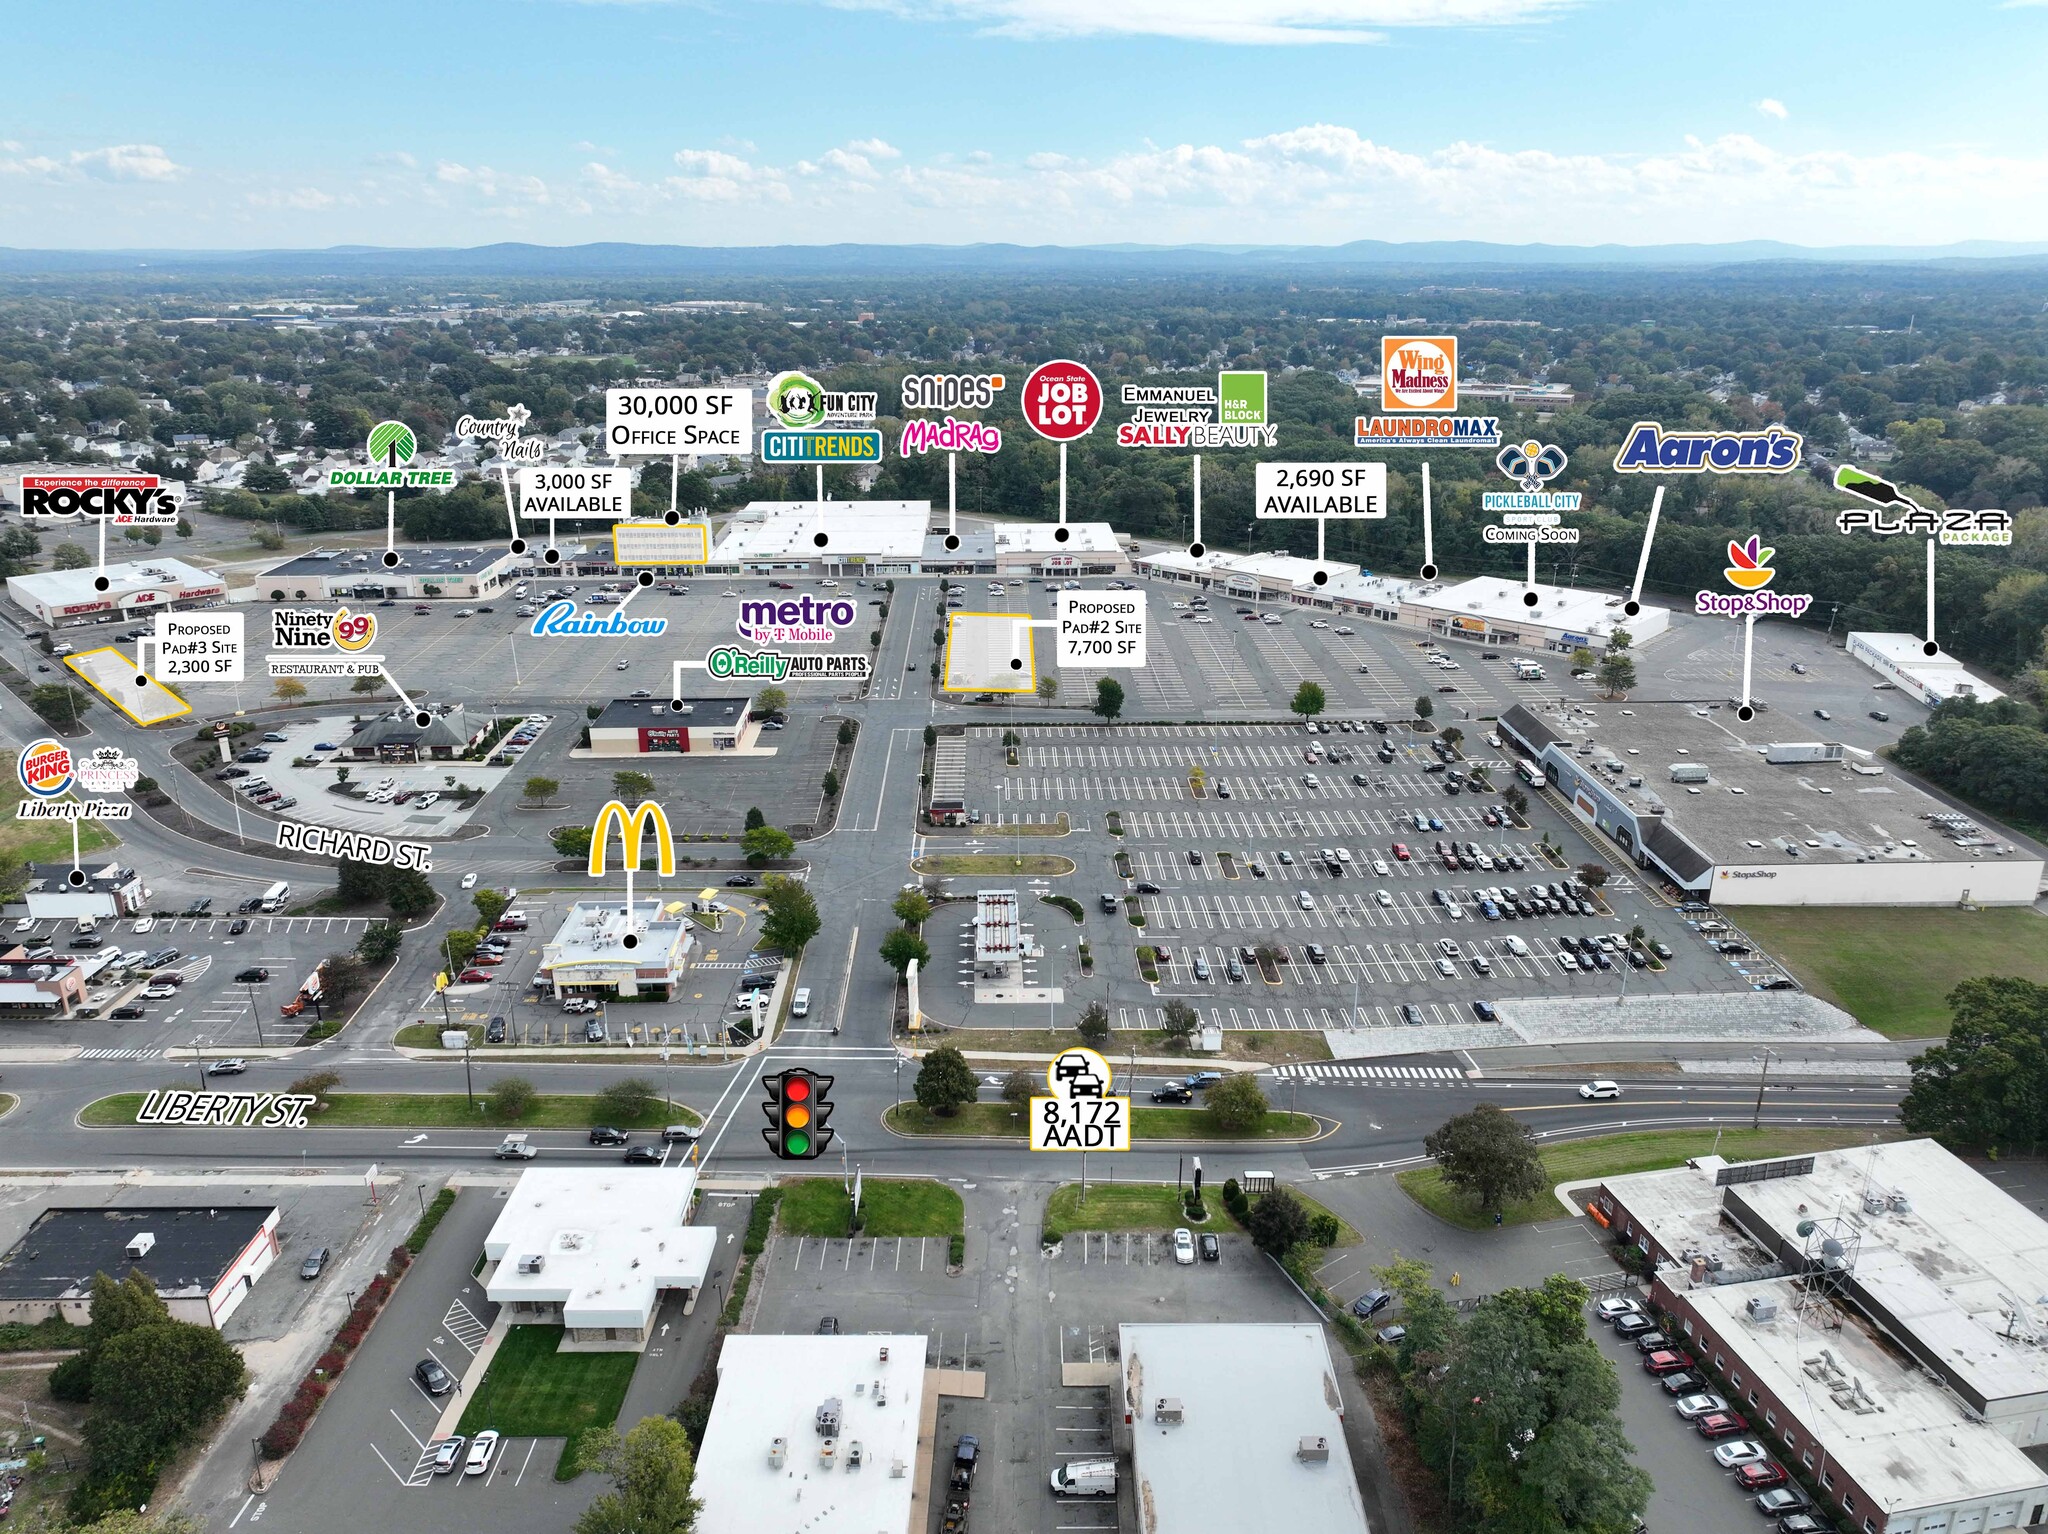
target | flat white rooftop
[
  {"x": 1941, "y": 673},
  {"x": 1247, "y": 1397},
  {"x": 770, "y": 1388},
  {"x": 982, "y": 651},
  {"x": 71, "y": 588},
  {"x": 1574, "y": 609},
  {"x": 1894, "y": 1430},
  {"x": 608, "y": 1239},
  {"x": 1038, "y": 538},
  {"x": 783, "y": 530},
  {"x": 592, "y": 936}
]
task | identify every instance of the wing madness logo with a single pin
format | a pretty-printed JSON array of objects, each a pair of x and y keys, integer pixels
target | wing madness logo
[{"x": 1418, "y": 373}]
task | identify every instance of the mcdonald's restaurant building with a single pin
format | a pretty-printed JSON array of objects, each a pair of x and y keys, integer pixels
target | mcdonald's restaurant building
[{"x": 589, "y": 954}]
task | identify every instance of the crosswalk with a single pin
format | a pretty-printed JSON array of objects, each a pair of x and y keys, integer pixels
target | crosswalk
[
  {"x": 119, "y": 1054},
  {"x": 1321, "y": 1071}
]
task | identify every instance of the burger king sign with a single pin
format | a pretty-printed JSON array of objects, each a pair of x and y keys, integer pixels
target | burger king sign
[{"x": 45, "y": 768}]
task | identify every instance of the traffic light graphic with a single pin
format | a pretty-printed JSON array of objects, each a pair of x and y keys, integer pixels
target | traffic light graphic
[{"x": 797, "y": 1111}]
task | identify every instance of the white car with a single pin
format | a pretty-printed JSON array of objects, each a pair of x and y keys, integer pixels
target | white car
[
  {"x": 1183, "y": 1246},
  {"x": 142, "y": 924},
  {"x": 1690, "y": 1407},
  {"x": 1379, "y": 867},
  {"x": 1599, "y": 1088},
  {"x": 1615, "y": 1307},
  {"x": 1739, "y": 1451},
  {"x": 481, "y": 1448},
  {"x": 26, "y": 924},
  {"x": 469, "y": 881},
  {"x": 1383, "y": 897},
  {"x": 426, "y": 801},
  {"x": 1515, "y": 946}
]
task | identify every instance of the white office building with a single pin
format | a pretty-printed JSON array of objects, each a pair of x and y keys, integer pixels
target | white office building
[{"x": 1902, "y": 660}]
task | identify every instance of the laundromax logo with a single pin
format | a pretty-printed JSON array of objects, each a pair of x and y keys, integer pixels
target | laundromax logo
[{"x": 800, "y": 620}]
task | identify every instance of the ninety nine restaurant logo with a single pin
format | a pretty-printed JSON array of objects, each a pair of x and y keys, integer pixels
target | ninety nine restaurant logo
[
  {"x": 305, "y": 628},
  {"x": 1418, "y": 373},
  {"x": 180, "y": 1109}
]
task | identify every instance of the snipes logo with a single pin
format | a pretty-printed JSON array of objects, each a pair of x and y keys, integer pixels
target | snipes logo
[
  {"x": 1418, "y": 373},
  {"x": 45, "y": 768},
  {"x": 1749, "y": 567}
]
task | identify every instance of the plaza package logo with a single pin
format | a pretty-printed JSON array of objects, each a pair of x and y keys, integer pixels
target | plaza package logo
[
  {"x": 1650, "y": 449},
  {"x": 126, "y": 500},
  {"x": 800, "y": 620},
  {"x": 1892, "y": 511},
  {"x": 305, "y": 629}
]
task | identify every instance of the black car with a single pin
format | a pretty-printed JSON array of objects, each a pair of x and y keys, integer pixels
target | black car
[
  {"x": 1484, "y": 1011},
  {"x": 238, "y": 926},
  {"x": 494, "y": 1031},
  {"x": 741, "y": 882},
  {"x": 128, "y": 1014},
  {"x": 251, "y": 976},
  {"x": 1172, "y": 1092},
  {"x": 230, "y": 772},
  {"x": 315, "y": 1261},
  {"x": 1212, "y": 1249},
  {"x": 1633, "y": 1325},
  {"x": 828, "y": 1326},
  {"x": 434, "y": 1380},
  {"x": 605, "y": 1135},
  {"x": 1147, "y": 887},
  {"x": 86, "y": 940},
  {"x": 644, "y": 1155},
  {"x": 1880, "y": 716},
  {"x": 1371, "y": 1303}
]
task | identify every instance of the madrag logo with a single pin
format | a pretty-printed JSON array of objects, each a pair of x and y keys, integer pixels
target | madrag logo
[
  {"x": 45, "y": 768},
  {"x": 1749, "y": 567},
  {"x": 1418, "y": 373}
]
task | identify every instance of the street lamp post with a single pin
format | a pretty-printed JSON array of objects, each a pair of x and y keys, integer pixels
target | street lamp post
[
  {"x": 257, "y": 1009},
  {"x": 468, "y": 1084},
  {"x": 1756, "y": 1118},
  {"x": 199, "y": 1064}
]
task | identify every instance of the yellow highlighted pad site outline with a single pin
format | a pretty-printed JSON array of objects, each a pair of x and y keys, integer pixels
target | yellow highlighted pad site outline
[
  {"x": 980, "y": 648},
  {"x": 111, "y": 673}
]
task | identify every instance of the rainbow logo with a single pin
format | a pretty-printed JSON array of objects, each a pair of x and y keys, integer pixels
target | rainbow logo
[{"x": 1750, "y": 565}]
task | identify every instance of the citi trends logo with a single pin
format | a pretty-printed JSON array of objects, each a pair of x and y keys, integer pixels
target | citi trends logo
[
  {"x": 45, "y": 768},
  {"x": 1749, "y": 565},
  {"x": 180, "y": 1109},
  {"x": 561, "y": 620},
  {"x": 1891, "y": 511},
  {"x": 800, "y": 402},
  {"x": 123, "y": 499},
  {"x": 304, "y": 628},
  {"x": 1650, "y": 449},
  {"x": 803, "y": 620}
]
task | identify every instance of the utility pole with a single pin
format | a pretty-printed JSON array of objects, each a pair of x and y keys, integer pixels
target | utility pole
[
  {"x": 256, "y": 1008},
  {"x": 1756, "y": 1118}
]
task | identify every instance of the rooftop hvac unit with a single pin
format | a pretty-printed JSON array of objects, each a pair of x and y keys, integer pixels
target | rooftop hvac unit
[
  {"x": 828, "y": 1452},
  {"x": 1169, "y": 1410},
  {"x": 1873, "y": 1201},
  {"x": 853, "y": 1455},
  {"x": 829, "y": 1414},
  {"x": 1762, "y": 1308},
  {"x": 778, "y": 1452},
  {"x": 1900, "y": 1204},
  {"x": 532, "y": 1262},
  {"x": 140, "y": 1244},
  {"x": 1313, "y": 1451}
]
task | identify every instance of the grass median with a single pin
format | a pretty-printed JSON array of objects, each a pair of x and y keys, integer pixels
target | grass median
[
  {"x": 945, "y": 864},
  {"x": 430, "y": 1110},
  {"x": 1127, "y": 1206},
  {"x": 1585, "y": 1161},
  {"x": 533, "y": 1391},
  {"x": 1893, "y": 969},
  {"x": 821, "y": 1206},
  {"x": 1000, "y": 1119}
]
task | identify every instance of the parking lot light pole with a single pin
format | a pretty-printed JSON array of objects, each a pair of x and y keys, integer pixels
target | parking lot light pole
[
  {"x": 199, "y": 1064},
  {"x": 1756, "y": 1117},
  {"x": 468, "y": 1084},
  {"x": 257, "y": 1009}
]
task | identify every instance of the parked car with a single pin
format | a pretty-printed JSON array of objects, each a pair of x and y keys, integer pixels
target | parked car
[
  {"x": 1371, "y": 1303},
  {"x": 251, "y": 976},
  {"x": 1212, "y": 1249},
  {"x": 1633, "y": 1325},
  {"x": 1760, "y": 1475},
  {"x": 448, "y": 1453},
  {"x": 434, "y": 1379},
  {"x": 1615, "y": 1307},
  {"x": 1684, "y": 1383},
  {"x": 1739, "y": 1451},
  {"x": 1695, "y": 1406},
  {"x": 1781, "y": 1500},
  {"x": 1183, "y": 1245},
  {"x": 481, "y": 1448},
  {"x": 1720, "y": 1424},
  {"x": 1667, "y": 1361},
  {"x": 315, "y": 1263},
  {"x": 494, "y": 1031}
]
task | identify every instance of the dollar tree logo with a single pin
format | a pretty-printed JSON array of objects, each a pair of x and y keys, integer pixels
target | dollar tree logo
[
  {"x": 796, "y": 400},
  {"x": 392, "y": 443}
]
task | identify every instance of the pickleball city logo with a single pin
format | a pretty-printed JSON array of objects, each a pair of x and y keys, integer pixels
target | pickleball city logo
[{"x": 1749, "y": 565}]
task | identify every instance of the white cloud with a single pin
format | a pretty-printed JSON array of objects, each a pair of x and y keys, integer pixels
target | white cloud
[
  {"x": 305, "y": 199},
  {"x": 1297, "y": 22},
  {"x": 128, "y": 162},
  {"x": 395, "y": 157},
  {"x": 1770, "y": 106},
  {"x": 875, "y": 149}
]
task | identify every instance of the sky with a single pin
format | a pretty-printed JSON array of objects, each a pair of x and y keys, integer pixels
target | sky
[{"x": 245, "y": 124}]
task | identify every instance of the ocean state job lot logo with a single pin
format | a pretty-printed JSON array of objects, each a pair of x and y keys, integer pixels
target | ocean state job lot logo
[
  {"x": 1650, "y": 449},
  {"x": 800, "y": 620},
  {"x": 1749, "y": 571},
  {"x": 138, "y": 500},
  {"x": 1892, "y": 511}
]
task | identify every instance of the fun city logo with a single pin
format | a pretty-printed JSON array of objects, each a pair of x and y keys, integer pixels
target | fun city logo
[
  {"x": 800, "y": 402},
  {"x": 1749, "y": 572},
  {"x": 1892, "y": 511},
  {"x": 800, "y": 620}
]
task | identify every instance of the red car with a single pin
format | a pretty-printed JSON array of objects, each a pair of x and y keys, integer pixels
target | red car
[
  {"x": 474, "y": 977},
  {"x": 1401, "y": 852},
  {"x": 1760, "y": 1476},
  {"x": 1719, "y": 1424},
  {"x": 1667, "y": 1361},
  {"x": 487, "y": 960}
]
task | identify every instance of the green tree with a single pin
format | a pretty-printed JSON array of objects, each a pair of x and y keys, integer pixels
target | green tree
[
  {"x": 1617, "y": 674},
  {"x": 458, "y": 946},
  {"x": 792, "y": 914},
  {"x": 1278, "y": 1222},
  {"x": 379, "y": 943},
  {"x": 1984, "y": 1087},
  {"x": 931, "y": 736},
  {"x": 1236, "y": 1103},
  {"x": 911, "y": 908},
  {"x": 1582, "y": 659},
  {"x": 69, "y": 556},
  {"x": 1424, "y": 708},
  {"x": 57, "y": 704},
  {"x": 831, "y": 785},
  {"x": 630, "y": 784},
  {"x": 771, "y": 700},
  {"x": 1425, "y": 1310},
  {"x": 366, "y": 684},
  {"x": 650, "y": 1469},
  {"x": 318, "y": 1085},
  {"x": 1048, "y": 687},
  {"x": 1178, "y": 1022},
  {"x": 900, "y": 946},
  {"x": 265, "y": 478},
  {"x": 1515, "y": 800},
  {"x": 155, "y": 1388},
  {"x": 540, "y": 790},
  {"x": 408, "y": 893},
  {"x": 1487, "y": 1155},
  {"x": 1109, "y": 697},
  {"x": 755, "y": 820},
  {"x": 490, "y": 905},
  {"x": 571, "y": 841},
  {"x": 128, "y": 1521},
  {"x": 511, "y": 1098},
  {"x": 118, "y": 1305},
  {"x": 765, "y": 843},
  {"x": 1308, "y": 700},
  {"x": 1019, "y": 1087},
  {"x": 944, "y": 1082},
  {"x": 624, "y": 1102},
  {"x": 1094, "y": 1025},
  {"x": 1451, "y": 736},
  {"x": 847, "y": 730}
]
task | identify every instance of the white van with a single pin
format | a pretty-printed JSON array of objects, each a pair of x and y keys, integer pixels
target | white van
[
  {"x": 1085, "y": 1478},
  {"x": 800, "y": 1004}
]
